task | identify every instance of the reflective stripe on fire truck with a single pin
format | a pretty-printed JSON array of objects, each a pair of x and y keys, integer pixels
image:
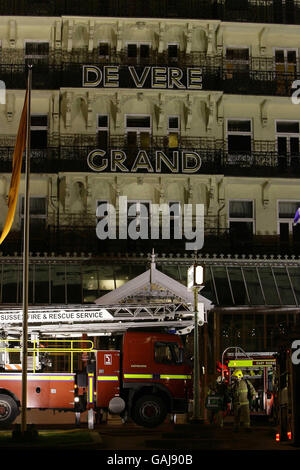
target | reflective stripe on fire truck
[
  {"x": 159, "y": 376},
  {"x": 182, "y": 377},
  {"x": 91, "y": 388},
  {"x": 107, "y": 378},
  {"x": 138, "y": 376},
  {"x": 252, "y": 363},
  {"x": 63, "y": 378}
]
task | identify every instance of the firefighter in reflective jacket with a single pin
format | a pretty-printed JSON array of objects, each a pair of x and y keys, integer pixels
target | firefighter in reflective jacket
[{"x": 242, "y": 391}]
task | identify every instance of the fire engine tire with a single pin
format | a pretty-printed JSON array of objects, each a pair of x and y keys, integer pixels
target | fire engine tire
[
  {"x": 149, "y": 411},
  {"x": 8, "y": 410}
]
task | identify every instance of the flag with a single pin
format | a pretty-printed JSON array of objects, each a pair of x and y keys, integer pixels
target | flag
[
  {"x": 297, "y": 217},
  {"x": 16, "y": 171}
]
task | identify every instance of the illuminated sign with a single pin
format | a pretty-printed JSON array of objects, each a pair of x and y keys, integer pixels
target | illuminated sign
[
  {"x": 56, "y": 315},
  {"x": 155, "y": 77},
  {"x": 252, "y": 363},
  {"x": 155, "y": 162}
]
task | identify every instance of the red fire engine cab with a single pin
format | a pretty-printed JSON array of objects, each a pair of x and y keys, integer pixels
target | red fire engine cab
[{"x": 146, "y": 378}]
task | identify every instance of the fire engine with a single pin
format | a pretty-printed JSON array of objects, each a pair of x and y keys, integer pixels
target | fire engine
[
  {"x": 259, "y": 368},
  {"x": 146, "y": 378}
]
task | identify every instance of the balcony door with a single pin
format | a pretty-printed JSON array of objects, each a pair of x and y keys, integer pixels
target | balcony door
[
  {"x": 287, "y": 140},
  {"x": 285, "y": 68},
  {"x": 138, "y": 133},
  {"x": 285, "y": 221},
  {"x": 239, "y": 140},
  {"x": 39, "y": 131},
  {"x": 138, "y": 53},
  {"x": 236, "y": 62}
]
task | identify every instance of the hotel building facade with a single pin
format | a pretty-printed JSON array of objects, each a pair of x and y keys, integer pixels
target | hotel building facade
[{"x": 182, "y": 110}]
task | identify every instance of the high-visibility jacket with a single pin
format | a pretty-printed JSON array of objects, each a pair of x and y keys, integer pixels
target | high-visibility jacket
[{"x": 241, "y": 390}]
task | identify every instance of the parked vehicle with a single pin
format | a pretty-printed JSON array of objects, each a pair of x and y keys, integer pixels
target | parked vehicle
[{"x": 146, "y": 379}]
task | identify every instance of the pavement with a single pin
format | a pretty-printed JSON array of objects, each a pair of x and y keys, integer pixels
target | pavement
[
  {"x": 193, "y": 437},
  {"x": 182, "y": 436}
]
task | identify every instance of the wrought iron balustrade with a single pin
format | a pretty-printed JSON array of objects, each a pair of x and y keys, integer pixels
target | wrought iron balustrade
[
  {"x": 62, "y": 239},
  {"x": 258, "y": 77},
  {"x": 262, "y": 160}
]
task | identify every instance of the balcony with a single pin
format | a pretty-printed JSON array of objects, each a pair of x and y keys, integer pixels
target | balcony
[
  {"x": 263, "y": 160},
  {"x": 77, "y": 238},
  {"x": 260, "y": 76},
  {"x": 259, "y": 11}
]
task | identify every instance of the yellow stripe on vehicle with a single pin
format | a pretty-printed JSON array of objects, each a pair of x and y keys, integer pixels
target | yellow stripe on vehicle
[
  {"x": 138, "y": 376},
  {"x": 91, "y": 388},
  {"x": 182, "y": 377},
  {"x": 66, "y": 378},
  {"x": 107, "y": 378},
  {"x": 241, "y": 363}
]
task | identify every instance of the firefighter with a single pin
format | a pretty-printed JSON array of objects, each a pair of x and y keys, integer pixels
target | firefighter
[
  {"x": 219, "y": 389},
  {"x": 242, "y": 392}
]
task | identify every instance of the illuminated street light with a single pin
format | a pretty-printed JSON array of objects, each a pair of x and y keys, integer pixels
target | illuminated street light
[{"x": 195, "y": 282}]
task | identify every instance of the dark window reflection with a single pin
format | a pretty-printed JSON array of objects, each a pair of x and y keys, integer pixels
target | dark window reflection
[
  {"x": 253, "y": 286},
  {"x": 238, "y": 286},
  {"x": 268, "y": 286},
  {"x": 295, "y": 279},
  {"x": 74, "y": 289},
  {"x": 41, "y": 290},
  {"x": 284, "y": 286},
  {"x": 58, "y": 284},
  {"x": 10, "y": 283},
  {"x": 222, "y": 286}
]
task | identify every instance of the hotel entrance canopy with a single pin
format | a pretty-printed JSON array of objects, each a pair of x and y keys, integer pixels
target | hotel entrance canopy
[{"x": 150, "y": 300}]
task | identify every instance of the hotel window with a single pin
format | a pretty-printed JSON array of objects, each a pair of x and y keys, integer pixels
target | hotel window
[
  {"x": 104, "y": 50},
  {"x": 241, "y": 219},
  {"x": 285, "y": 67},
  {"x": 36, "y": 53},
  {"x": 38, "y": 214},
  {"x": 237, "y": 59},
  {"x": 173, "y": 53},
  {"x": 286, "y": 60},
  {"x": 138, "y": 131},
  {"x": 285, "y": 220},
  {"x": 138, "y": 53},
  {"x": 103, "y": 131},
  {"x": 139, "y": 211},
  {"x": 287, "y": 140},
  {"x": 239, "y": 136},
  {"x": 173, "y": 131},
  {"x": 39, "y": 131}
]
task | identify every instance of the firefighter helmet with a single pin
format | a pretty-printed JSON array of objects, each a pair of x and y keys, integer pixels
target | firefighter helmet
[{"x": 238, "y": 374}]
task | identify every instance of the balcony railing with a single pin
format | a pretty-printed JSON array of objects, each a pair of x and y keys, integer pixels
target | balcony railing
[
  {"x": 262, "y": 160},
  {"x": 258, "y": 77},
  {"x": 261, "y": 11},
  {"x": 62, "y": 239}
]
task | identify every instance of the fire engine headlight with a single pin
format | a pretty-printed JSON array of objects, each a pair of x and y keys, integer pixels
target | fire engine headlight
[{"x": 76, "y": 399}]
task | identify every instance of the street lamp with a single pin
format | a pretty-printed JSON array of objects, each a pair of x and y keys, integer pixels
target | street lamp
[{"x": 195, "y": 282}]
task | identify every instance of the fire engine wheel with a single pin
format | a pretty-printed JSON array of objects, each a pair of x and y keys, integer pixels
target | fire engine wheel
[
  {"x": 8, "y": 410},
  {"x": 149, "y": 411}
]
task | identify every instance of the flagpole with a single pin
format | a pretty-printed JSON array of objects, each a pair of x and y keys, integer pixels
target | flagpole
[{"x": 26, "y": 260}]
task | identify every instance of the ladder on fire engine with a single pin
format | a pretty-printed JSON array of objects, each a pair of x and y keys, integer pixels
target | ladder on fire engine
[{"x": 44, "y": 347}]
